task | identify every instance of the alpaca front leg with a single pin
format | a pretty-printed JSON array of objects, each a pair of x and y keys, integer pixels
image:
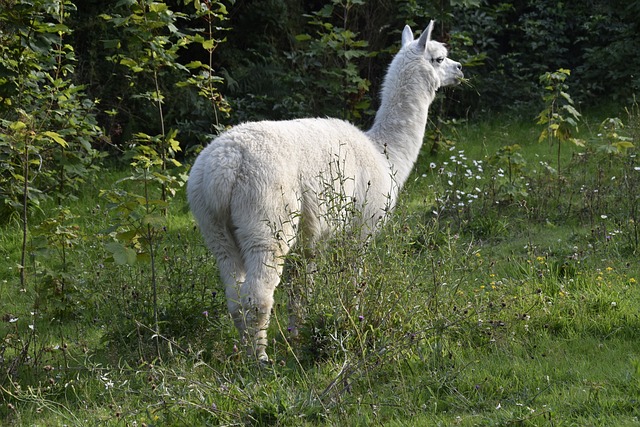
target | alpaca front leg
[{"x": 250, "y": 315}]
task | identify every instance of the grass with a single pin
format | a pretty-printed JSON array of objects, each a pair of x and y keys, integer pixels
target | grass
[{"x": 521, "y": 307}]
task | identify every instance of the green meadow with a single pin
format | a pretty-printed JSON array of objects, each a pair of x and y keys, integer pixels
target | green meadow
[{"x": 504, "y": 290}]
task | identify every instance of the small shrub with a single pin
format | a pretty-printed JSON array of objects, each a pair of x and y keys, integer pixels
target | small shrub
[{"x": 559, "y": 116}]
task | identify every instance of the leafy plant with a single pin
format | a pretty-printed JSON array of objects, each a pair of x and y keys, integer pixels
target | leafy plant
[
  {"x": 511, "y": 177},
  {"x": 617, "y": 178},
  {"x": 559, "y": 117},
  {"x": 47, "y": 125},
  {"x": 53, "y": 240},
  {"x": 47, "y": 121},
  {"x": 141, "y": 217},
  {"x": 613, "y": 141},
  {"x": 153, "y": 42}
]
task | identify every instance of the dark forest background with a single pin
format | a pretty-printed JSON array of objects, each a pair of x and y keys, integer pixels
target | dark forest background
[
  {"x": 279, "y": 59},
  {"x": 84, "y": 80}
]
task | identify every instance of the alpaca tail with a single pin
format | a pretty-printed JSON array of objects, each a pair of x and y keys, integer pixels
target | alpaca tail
[{"x": 211, "y": 184}]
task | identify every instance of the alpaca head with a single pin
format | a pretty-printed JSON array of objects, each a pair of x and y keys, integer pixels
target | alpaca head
[{"x": 448, "y": 71}]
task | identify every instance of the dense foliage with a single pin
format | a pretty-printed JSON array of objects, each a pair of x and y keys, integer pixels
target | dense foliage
[
  {"x": 284, "y": 58},
  {"x": 505, "y": 46}
]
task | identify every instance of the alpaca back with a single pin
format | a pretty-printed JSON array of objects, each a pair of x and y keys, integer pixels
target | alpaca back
[{"x": 274, "y": 171}]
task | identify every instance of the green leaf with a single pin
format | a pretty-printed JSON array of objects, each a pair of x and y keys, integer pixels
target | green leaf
[
  {"x": 208, "y": 44},
  {"x": 607, "y": 149},
  {"x": 111, "y": 44},
  {"x": 143, "y": 257},
  {"x": 172, "y": 133},
  {"x": 326, "y": 11},
  {"x": 17, "y": 126},
  {"x": 543, "y": 135},
  {"x": 121, "y": 254},
  {"x": 194, "y": 64},
  {"x": 622, "y": 146},
  {"x": 131, "y": 64},
  {"x": 127, "y": 236},
  {"x": 56, "y": 138},
  {"x": 157, "y": 7},
  {"x": 571, "y": 110},
  {"x": 154, "y": 220},
  {"x": 174, "y": 144}
]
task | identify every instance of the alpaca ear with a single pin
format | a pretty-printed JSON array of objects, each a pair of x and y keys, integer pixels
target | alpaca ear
[
  {"x": 425, "y": 37},
  {"x": 407, "y": 35}
]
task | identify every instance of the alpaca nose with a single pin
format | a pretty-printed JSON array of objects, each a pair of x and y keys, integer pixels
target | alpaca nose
[{"x": 458, "y": 66}]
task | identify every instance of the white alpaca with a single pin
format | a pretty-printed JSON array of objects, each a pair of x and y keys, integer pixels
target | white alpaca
[{"x": 260, "y": 187}]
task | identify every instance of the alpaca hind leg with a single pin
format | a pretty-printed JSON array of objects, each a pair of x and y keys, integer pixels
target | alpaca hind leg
[
  {"x": 264, "y": 269},
  {"x": 233, "y": 276},
  {"x": 221, "y": 242},
  {"x": 264, "y": 245}
]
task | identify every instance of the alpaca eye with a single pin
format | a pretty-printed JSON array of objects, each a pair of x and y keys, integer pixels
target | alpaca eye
[{"x": 439, "y": 60}]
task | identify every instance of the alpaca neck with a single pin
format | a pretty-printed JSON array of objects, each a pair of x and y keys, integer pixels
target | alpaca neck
[{"x": 400, "y": 122}]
